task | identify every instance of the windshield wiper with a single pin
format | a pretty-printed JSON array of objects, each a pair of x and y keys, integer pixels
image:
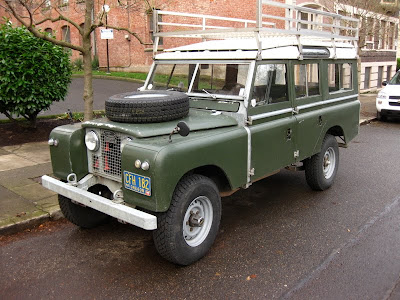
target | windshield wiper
[{"x": 208, "y": 93}]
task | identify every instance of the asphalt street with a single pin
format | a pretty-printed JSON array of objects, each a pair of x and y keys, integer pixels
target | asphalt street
[
  {"x": 278, "y": 240},
  {"x": 103, "y": 89}
]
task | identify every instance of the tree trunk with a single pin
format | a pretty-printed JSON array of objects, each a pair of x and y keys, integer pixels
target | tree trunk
[
  {"x": 87, "y": 62},
  {"x": 88, "y": 85}
]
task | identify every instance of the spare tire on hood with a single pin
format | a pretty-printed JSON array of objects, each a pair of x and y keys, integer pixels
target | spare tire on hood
[{"x": 147, "y": 106}]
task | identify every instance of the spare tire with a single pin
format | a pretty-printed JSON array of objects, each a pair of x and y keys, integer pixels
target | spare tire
[{"x": 147, "y": 106}]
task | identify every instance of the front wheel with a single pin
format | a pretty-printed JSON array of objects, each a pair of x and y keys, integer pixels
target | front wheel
[
  {"x": 83, "y": 216},
  {"x": 187, "y": 230},
  {"x": 321, "y": 168}
]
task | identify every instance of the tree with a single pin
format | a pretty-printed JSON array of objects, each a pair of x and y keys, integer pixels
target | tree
[
  {"x": 34, "y": 73},
  {"x": 33, "y": 13}
]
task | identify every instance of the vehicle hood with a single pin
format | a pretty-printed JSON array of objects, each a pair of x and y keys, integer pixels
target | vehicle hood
[
  {"x": 196, "y": 120},
  {"x": 392, "y": 90}
]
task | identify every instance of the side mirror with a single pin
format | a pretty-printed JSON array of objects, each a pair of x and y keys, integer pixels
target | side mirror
[
  {"x": 182, "y": 128},
  {"x": 384, "y": 83}
]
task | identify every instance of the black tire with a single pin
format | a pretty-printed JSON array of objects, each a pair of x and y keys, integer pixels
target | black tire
[
  {"x": 174, "y": 238},
  {"x": 380, "y": 117},
  {"x": 321, "y": 168},
  {"x": 82, "y": 216},
  {"x": 147, "y": 106}
]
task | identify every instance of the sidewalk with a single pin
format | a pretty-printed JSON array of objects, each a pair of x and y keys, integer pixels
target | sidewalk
[{"x": 24, "y": 203}]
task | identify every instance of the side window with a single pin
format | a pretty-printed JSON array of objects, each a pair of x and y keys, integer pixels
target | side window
[
  {"x": 339, "y": 77},
  {"x": 306, "y": 78},
  {"x": 270, "y": 84}
]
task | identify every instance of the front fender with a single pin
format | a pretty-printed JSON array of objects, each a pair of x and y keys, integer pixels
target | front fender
[{"x": 169, "y": 162}]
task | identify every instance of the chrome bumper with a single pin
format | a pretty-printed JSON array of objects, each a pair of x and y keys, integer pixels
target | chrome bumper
[{"x": 119, "y": 211}]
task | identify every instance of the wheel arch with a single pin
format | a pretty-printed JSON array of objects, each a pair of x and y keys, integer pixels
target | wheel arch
[
  {"x": 216, "y": 174},
  {"x": 336, "y": 130}
]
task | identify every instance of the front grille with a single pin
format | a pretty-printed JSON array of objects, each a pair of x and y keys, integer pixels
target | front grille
[
  {"x": 106, "y": 161},
  {"x": 394, "y": 97},
  {"x": 394, "y": 103}
]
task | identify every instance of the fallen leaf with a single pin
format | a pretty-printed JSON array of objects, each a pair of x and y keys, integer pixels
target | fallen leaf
[
  {"x": 253, "y": 276},
  {"x": 217, "y": 274}
]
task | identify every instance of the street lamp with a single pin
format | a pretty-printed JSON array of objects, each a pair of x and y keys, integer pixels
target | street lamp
[{"x": 106, "y": 9}]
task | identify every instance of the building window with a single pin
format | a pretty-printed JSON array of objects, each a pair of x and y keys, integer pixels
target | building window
[
  {"x": 306, "y": 78},
  {"x": 66, "y": 34},
  {"x": 367, "y": 77},
  {"x": 383, "y": 35},
  {"x": 339, "y": 77},
  {"x": 151, "y": 26},
  {"x": 49, "y": 31},
  {"x": 388, "y": 73},
  {"x": 380, "y": 77}
]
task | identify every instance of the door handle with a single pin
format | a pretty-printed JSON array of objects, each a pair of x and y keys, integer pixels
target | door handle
[{"x": 289, "y": 134}]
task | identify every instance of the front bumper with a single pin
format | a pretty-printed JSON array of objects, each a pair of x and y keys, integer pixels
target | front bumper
[
  {"x": 120, "y": 211},
  {"x": 388, "y": 106}
]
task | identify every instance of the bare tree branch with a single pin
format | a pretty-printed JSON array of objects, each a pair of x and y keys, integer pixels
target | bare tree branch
[
  {"x": 39, "y": 34},
  {"x": 132, "y": 33}
]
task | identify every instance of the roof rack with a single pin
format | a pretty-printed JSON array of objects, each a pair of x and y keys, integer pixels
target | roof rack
[{"x": 325, "y": 25}]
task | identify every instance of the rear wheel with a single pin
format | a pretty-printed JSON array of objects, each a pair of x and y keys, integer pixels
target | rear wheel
[
  {"x": 321, "y": 168},
  {"x": 188, "y": 229},
  {"x": 83, "y": 216}
]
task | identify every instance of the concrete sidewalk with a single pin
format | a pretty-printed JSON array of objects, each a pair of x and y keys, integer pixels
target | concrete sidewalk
[{"x": 24, "y": 203}]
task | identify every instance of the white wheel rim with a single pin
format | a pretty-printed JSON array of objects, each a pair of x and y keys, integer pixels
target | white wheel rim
[
  {"x": 199, "y": 209},
  {"x": 329, "y": 163}
]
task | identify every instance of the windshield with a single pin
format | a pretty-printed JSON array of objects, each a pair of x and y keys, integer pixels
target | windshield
[
  {"x": 208, "y": 79},
  {"x": 395, "y": 79}
]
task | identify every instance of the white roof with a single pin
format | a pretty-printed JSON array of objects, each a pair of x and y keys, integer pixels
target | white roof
[{"x": 272, "y": 48}]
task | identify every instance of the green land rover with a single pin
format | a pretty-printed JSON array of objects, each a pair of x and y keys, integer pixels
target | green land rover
[{"x": 212, "y": 117}]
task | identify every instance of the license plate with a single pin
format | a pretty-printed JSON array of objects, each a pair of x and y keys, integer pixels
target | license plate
[{"x": 137, "y": 183}]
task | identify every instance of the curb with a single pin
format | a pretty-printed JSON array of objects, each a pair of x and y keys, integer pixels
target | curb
[
  {"x": 110, "y": 78},
  {"x": 367, "y": 121},
  {"x": 30, "y": 223}
]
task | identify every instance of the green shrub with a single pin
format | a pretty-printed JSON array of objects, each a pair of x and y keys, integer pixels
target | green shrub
[
  {"x": 95, "y": 63},
  {"x": 77, "y": 65},
  {"x": 398, "y": 64},
  {"x": 33, "y": 73}
]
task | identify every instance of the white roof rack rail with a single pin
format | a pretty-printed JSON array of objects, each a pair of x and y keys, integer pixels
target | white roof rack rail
[{"x": 325, "y": 25}]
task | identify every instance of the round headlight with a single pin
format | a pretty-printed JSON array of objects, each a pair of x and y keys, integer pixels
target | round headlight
[
  {"x": 124, "y": 142},
  {"x": 92, "y": 141},
  {"x": 145, "y": 165}
]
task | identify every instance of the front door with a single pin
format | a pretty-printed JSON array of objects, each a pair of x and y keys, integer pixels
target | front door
[{"x": 272, "y": 120}]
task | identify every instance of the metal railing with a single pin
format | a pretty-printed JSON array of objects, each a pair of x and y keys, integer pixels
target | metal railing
[{"x": 321, "y": 25}]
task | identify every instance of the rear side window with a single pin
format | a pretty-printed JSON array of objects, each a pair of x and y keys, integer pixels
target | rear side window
[
  {"x": 306, "y": 78},
  {"x": 339, "y": 77}
]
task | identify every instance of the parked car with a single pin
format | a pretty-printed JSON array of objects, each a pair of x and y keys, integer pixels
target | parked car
[
  {"x": 388, "y": 99},
  {"x": 212, "y": 118}
]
